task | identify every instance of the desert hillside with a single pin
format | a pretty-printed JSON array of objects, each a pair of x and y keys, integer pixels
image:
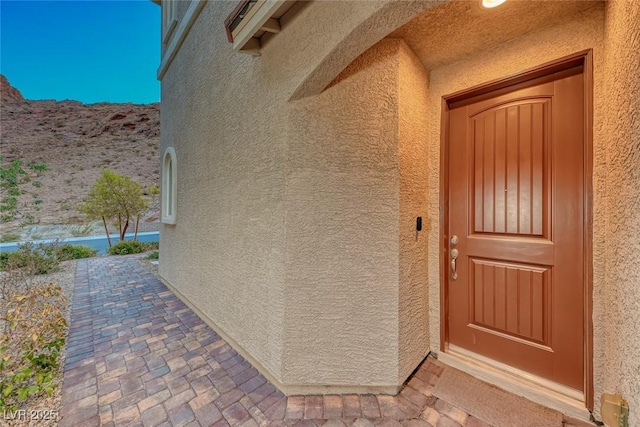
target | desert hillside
[{"x": 76, "y": 141}]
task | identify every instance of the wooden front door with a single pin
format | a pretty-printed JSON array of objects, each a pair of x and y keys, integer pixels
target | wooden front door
[{"x": 515, "y": 292}]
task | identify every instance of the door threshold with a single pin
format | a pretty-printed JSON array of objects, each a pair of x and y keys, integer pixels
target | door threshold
[{"x": 539, "y": 390}]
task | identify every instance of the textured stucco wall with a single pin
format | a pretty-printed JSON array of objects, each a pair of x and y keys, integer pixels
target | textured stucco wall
[
  {"x": 244, "y": 185},
  {"x": 583, "y": 32},
  {"x": 618, "y": 295},
  {"x": 342, "y": 229},
  {"x": 413, "y": 148},
  {"x": 356, "y": 269},
  {"x": 288, "y": 212},
  {"x": 225, "y": 253},
  {"x": 616, "y": 174},
  {"x": 354, "y": 26}
]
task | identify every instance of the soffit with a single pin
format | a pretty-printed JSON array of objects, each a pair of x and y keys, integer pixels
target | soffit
[
  {"x": 458, "y": 29},
  {"x": 253, "y": 19}
]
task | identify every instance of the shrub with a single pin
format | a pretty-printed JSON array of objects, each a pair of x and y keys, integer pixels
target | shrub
[
  {"x": 9, "y": 237},
  {"x": 13, "y": 181},
  {"x": 43, "y": 258},
  {"x": 127, "y": 247},
  {"x": 153, "y": 255},
  {"x": 4, "y": 259},
  {"x": 68, "y": 251},
  {"x": 152, "y": 246},
  {"x": 35, "y": 259}
]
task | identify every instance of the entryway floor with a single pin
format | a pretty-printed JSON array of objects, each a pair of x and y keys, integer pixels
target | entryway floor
[{"x": 138, "y": 356}]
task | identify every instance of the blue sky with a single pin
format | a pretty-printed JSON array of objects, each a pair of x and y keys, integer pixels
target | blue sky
[{"x": 85, "y": 50}]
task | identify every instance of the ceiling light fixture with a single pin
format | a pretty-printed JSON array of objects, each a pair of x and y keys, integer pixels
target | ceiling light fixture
[{"x": 488, "y": 4}]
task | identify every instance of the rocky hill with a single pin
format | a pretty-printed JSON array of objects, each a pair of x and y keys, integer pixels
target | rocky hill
[
  {"x": 76, "y": 141},
  {"x": 8, "y": 93}
]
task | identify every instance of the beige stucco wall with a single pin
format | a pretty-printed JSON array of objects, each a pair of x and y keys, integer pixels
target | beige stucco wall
[
  {"x": 413, "y": 150},
  {"x": 288, "y": 211},
  {"x": 617, "y": 301},
  {"x": 225, "y": 253},
  {"x": 583, "y": 32},
  {"x": 616, "y": 175},
  {"x": 281, "y": 224},
  {"x": 356, "y": 267},
  {"x": 342, "y": 229}
]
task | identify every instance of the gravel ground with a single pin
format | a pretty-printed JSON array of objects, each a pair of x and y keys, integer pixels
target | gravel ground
[{"x": 49, "y": 405}]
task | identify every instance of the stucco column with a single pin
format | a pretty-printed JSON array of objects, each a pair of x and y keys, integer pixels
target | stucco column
[{"x": 622, "y": 129}]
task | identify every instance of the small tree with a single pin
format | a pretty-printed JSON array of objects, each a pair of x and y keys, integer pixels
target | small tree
[{"x": 116, "y": 199}]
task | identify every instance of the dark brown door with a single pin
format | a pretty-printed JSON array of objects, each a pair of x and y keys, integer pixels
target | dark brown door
[{"x": 516, "y": 206}]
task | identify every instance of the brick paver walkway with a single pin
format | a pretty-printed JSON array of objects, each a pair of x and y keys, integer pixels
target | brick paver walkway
[{"x": 136, "y": 355}]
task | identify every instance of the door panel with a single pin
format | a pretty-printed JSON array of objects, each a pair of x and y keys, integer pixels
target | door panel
[
  {"x": 509, "y": 299},
  {"x": 516, "y": 205},
  {"x": 508, "y": 186}
]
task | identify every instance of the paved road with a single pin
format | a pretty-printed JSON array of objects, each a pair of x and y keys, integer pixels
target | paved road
[{"x": 96, "y": 242}]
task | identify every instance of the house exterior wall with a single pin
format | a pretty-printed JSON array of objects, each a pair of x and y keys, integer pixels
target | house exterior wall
[
  {"x": 181, "y": 9},
  {"x": 281, "y": 224},
  {"x": 617, "y": 296},
  {"x": 413, "y": 151},
  {"x": 356, "y": 267},
  {"x": 614, "y": 36},
  {"x": 297, "y": 202},
  {"x": 585, "y": 31},
  {"x": 224, "y": 255},
  {"x": 342, "y": 230}
]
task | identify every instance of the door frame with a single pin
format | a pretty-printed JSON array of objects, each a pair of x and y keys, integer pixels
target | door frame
[{"x": 584, "y": 58}]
